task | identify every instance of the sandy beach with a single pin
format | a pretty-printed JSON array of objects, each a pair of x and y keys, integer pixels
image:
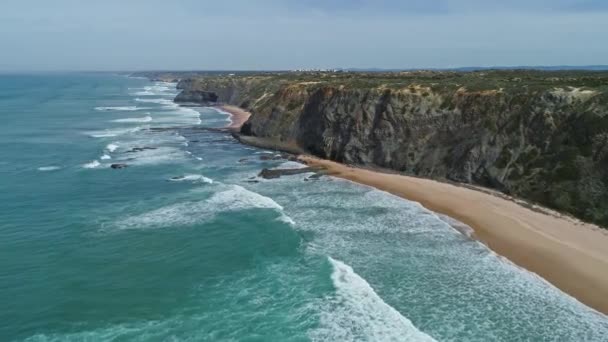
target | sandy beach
[
  {"x": 570, "y": 254},
  {"x": 238, "y": 116}
]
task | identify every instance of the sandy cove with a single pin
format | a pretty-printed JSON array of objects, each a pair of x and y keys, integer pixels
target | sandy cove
[
  {"x": 238, "y": 116},
  {"x": 570, "y": 254}
]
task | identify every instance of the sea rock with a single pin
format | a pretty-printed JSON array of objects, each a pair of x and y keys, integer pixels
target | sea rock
[
  {"x": 196, "y": 96},
  {"x": 272, "y": 157},
  {"x": 119, "y": 166},
  {"x": 276, "y": 173},
  {"x": 140, "y": 149}
]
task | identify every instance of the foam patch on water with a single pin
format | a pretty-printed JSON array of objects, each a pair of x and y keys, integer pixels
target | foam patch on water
[
  {"x": 286, "y": 219},
  {"x": 49, "y": 168},
  {"x": 159, "y": 89},
  {"x": 166, "y": 102},
  {"x": 92, "y": 165},
  {"x": 112, "y": 147},
  {"x": 105, "y": 157},
  {"x": 459, "y": 226},
  {"x": 192, "y": 178},
  {"x": 147, "y": 118},
  {"x": 119, "y": 108},
  {"x": 240, "y": 198},
  {"x": 145, "y": 93},
  {"x": 357, "y": 313},
  {"x": 159, "y": 155},
  {"x": 235, "y": 198},
  {"x": 291, "y": 165},
  {"x": 109, "y": 133}
]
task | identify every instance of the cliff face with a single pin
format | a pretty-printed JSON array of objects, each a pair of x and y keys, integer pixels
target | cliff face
[{"x": 538, "y": 139}]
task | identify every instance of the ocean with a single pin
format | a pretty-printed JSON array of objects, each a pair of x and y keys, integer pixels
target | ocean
[{"x": 187, "y": 244}]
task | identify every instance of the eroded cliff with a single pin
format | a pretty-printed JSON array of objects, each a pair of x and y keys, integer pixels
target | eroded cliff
[{"x": 542, "y": 136}]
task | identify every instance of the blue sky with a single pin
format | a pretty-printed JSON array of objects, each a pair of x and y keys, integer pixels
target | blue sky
[{"x": 275, "y": 34}]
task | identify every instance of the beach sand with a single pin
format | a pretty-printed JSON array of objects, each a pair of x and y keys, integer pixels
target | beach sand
[
  {"x": 571, "y": 255},
  {"x": 238, "y": 116}
]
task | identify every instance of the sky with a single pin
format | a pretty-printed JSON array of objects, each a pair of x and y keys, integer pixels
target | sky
[{"x": 290, "y": 34}]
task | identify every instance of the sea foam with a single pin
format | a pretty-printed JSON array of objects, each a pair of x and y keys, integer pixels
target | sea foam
[
  {"x": 92, "y": 165},
  {"x": 357, "y": 313},
  {"x": 192, "y": 178},
  {"x": 111, "y": 147},
  {"x": 147, "y": 118},
  {"x": 49, "y": 168},
  {"x": 157, "y": 101},
  {"x": 234, "y": 198},
  {"x": 109, "y": 133},
  {"x": 119, "y": 108}
]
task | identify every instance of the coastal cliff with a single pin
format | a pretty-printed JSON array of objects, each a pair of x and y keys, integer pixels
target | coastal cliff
[{"x": 541, "y": 136}]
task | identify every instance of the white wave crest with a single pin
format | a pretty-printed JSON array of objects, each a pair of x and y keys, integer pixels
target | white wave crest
[
  {"x": 145, "y": 93},
  {"x": 160, "y": 89},
  {"x": 359, "y": 314},
  {"x": 157, "y": 101},
  {"x": 49, "y": 168},
  {"x": 192, "y": 178},
  {"x": 108, "y": 133},
  {"x": 159, "y": 155},
  {"x": 187, "y": 213},
  {"x": 92, "y": 165},
  {"x": 119, "y": 108},
  {"x": 291, "y": 165},
  {"x": 240, "y": 198},
  {"x": 179, "y": 116},
  {"x": 286, "y": 219},
  {"x": 111, "y": 147},
  {"x": 105, "y": 157},
  {"x": 147, "y": 118}
]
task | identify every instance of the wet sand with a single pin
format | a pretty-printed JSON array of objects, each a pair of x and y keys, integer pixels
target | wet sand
[
  {"x": 570, "y": 254},
  {"x": 238, "y": 116}
]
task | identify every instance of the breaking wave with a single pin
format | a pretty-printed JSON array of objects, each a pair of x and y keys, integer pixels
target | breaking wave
[
  {"x": 92, "y": 165},
  {"x": 235, "y": 198},
  {"x": 157, "y": 101},
  {"x": 134, "y": 120},
  {"x": 112, "y": 147},
  {"x": 357, "y": 313},
  {"x": 119, "y": 108},
  {"x": 108, "y": 133},
  {"x": 49, "y": 168},
  {"x": 192, "y": 178}
]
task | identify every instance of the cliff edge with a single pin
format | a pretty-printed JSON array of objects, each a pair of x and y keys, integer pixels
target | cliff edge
[{"x": 541, "y": 136}]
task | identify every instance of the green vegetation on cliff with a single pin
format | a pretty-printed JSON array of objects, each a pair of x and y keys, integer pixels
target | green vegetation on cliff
[{"x": 538, "y": 135}]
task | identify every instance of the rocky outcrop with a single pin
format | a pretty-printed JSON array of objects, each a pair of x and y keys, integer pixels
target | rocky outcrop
[
  {"x": 539, "y": 136},
  {"x": 196, "y": 96},
  {"x": 277, "y": 173}
]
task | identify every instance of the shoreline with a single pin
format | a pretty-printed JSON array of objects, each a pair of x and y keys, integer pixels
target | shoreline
[
  {"x": 238, "y": 116},
  {"x": 569, "y": 254}
]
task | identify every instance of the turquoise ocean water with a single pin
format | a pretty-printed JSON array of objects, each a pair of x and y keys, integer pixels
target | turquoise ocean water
[{"x": 89, "y": 253}]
